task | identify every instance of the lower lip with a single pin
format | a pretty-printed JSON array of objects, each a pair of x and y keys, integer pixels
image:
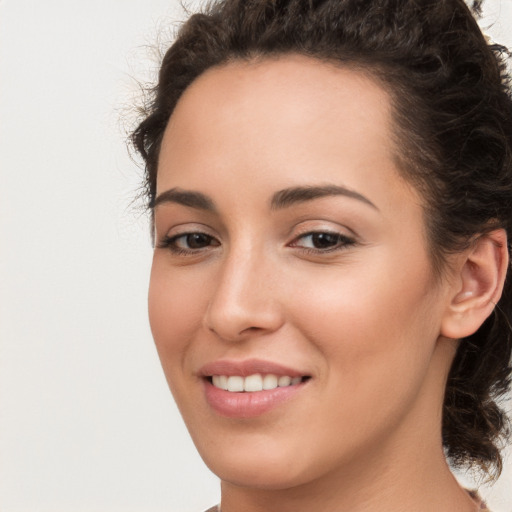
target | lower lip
[{"x": 247, "y": 404}]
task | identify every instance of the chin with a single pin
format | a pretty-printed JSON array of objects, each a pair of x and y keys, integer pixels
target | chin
[
  {"x": 260, "y": 475},
  {"x": 258, "y": 467},
  {"x": 268, "y": 464}
]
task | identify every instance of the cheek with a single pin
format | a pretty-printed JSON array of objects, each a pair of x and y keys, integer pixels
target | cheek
[
  {"x": 382, "y": 299},
  {"x": 375, "y": 330},
  {"x": 176, "y": 303}
]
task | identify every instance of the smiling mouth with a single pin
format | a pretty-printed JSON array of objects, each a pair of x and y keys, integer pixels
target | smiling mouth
[{"x": 254, "y": 383}]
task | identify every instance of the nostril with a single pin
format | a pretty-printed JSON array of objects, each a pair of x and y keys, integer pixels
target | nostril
[{"x": 252, "y": 329}]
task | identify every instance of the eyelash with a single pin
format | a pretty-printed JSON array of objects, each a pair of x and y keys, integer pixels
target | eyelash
[
  {"x": 341, "y": 242},
  {"x": 170, "y": 242}
]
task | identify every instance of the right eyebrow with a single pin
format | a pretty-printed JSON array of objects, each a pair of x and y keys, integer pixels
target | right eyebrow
[{"x": 185, "y": 198}]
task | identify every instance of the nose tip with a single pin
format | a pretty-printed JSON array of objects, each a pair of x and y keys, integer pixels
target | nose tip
[
  {"x": 235, "y": 324},
  {"x": 244, "y": 304}
]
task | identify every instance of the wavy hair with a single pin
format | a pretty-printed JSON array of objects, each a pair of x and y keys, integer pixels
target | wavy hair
[{"x": 453, "y": 134}]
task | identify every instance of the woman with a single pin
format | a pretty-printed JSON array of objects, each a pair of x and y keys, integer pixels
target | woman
[{"x": 331, "y": 189}]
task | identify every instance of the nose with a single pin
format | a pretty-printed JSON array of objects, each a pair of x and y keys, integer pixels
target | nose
[{"x": 245, "y": 299}]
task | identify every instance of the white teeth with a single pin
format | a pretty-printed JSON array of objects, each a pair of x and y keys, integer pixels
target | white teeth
[
  {"x": 284, "y": 381},
  {"x": 270, "y": 381},
  {"x": 253, "y": 383},
  {"x": 223, "y": 382},
  {"x": 220, "y": 381},
  {"x": 235, "y": 383}
]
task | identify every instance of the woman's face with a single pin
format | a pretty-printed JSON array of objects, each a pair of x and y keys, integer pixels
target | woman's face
[{"x": 290, "y": 253}]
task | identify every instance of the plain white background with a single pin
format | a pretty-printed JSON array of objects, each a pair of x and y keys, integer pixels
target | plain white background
[{"x": 86, "y": 420}]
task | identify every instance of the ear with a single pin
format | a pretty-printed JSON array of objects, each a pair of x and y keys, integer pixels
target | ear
[{"x": 478, "y": 284}]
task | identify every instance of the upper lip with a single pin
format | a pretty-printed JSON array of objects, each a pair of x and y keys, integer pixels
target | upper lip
[{"x": 247, "y": 367}]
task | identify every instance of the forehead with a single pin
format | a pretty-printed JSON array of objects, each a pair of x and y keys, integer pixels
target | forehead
[
  {"x": 309, "y": 83},
  {"x": 288, "y": 118},
  {"x": 294, "y": 89}
]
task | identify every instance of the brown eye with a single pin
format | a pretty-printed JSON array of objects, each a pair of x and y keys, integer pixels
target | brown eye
[
  {"x": 324, "y": 240},
  {"x": 320, "y": 241},
  {"x": 188, "y": 242},
  {"x": 197, "y": 240}
]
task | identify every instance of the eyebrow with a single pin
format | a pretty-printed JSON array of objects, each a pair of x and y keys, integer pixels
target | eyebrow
[
  {"x": 188, "y": 198},
  {"x": 282, "y": 199},
  {"x": 294, "y": 195}
]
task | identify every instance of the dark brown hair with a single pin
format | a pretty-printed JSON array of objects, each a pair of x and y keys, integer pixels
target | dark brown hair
[{"x": 453, "y": 117}]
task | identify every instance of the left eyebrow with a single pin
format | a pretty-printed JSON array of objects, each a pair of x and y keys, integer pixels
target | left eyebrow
[{"x": 294, "y": 195}]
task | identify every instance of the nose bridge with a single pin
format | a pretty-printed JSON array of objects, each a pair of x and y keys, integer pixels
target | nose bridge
[{"x": 245, "y": 297}]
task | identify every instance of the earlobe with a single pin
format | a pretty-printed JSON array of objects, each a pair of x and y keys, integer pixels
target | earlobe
[{"x": 479, "y": 284}]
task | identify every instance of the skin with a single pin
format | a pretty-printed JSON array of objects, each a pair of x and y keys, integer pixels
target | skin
[{"x": 364, "y": 317}]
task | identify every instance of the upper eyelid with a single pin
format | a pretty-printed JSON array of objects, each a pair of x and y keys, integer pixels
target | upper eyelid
[
  {"x": 170, "y": 242},
  {"x": 343, "y": 236},
  {"x": 186, "y": 228},
  {"x": 177, "y": 236},
  {"x": 163, "y": 238},
  {"x": 308, "y": 227},
  {"x": 321, "y": 232},
  {"x": 189, "y": 232},
  {"x": 300, "y": 229}
]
